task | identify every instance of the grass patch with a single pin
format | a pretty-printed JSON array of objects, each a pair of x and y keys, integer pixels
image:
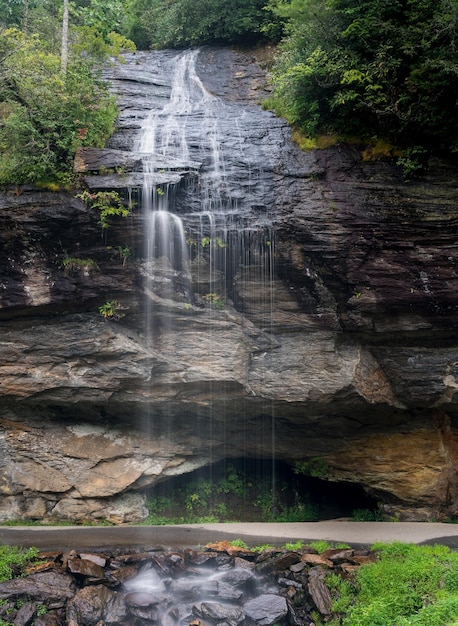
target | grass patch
[
  {"x": 13, "y": 561},
  {"x": 408, "y": 585}
]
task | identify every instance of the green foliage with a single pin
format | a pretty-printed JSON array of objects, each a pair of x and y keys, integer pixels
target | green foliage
[
  {"x": 14, "y": 559},
  {"x": 262, "y": 548},
  {"x": 342, "y": 592},
  {"x": 216, "y": 301},
  {"x": 233, "y": 482},
  {"x": 104, "y": 16},
  {"x": 183, "y": 23},
  {"x": 125, "y": 253},
  {"x": 238, "y": 543},
  {"x": 413, "y": 161},
  {"x": 292, "y": 547},
  {"x": 215, "y": 242},
  {"x": 315, "y": 467},
  {"x": 74, "y": 264},
  {"x": 366, "y": 515},
  {"x": 109, "y": 203},
  {"x": 371, "y": 67},
  {"x": 300, "y": 512},
  {"x": 233, "y": 496},
  {"x": 320, "y": 545},
  {"x": 111, "y": 310},
  {"x": 407, "y": 585},
  {"x": 89, "y": 41},
  {"x": 45, "y": 116}
]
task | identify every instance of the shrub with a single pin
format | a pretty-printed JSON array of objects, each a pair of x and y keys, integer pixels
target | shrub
[
  {"x": 108, "y": 203},
  {"x": 74, "y": 264},
  {"x": 315, "y": 467},
  {"x": 111, "y": 310},
  {"x": 372, "y": 67},
  {"x": 184, "y": 23},
  {"x": 366, "y": 515},
  {"x": 46, "y": 116},
  {"x": 234, "y": 495}
]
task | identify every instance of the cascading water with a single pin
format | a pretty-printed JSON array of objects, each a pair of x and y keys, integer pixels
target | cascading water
[
  {"x": 181, "y": 147},
  {"x": 163, "y": 146},
  {"x": 204, "y": 243}
]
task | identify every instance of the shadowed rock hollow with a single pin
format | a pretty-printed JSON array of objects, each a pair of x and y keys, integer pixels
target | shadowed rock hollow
[{"x": 319, "y": 318}]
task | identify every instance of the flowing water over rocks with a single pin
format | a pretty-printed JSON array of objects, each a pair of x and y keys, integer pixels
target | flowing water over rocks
[
  {"x": 219, "y": 585},
  {"x": 312, "y": 316}
]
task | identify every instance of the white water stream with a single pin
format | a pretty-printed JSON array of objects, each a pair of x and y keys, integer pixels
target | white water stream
[
  {"x": 164, "y": 146},
  {"x": 195, "y": 255}
]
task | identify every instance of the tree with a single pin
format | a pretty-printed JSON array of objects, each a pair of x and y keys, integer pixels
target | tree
[
  {"x": 181, "y": 23},
  {"x": 384, "y": 67},
  {"x": 64, "y": 48},
  {"x": 45, "y": 115}
]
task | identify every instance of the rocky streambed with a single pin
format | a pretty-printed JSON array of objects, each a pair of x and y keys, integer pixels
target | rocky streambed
[{"x": 217, "y": 585}]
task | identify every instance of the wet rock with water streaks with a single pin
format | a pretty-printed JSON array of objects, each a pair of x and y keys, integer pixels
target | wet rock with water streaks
[{"x": 330, "y": 321}]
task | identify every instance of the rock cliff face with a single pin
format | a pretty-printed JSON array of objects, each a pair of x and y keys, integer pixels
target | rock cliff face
[{"x": 318, "y": 320}]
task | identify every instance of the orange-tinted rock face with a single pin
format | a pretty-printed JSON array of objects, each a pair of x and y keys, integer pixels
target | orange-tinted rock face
[{"x": 330, "y": 329}]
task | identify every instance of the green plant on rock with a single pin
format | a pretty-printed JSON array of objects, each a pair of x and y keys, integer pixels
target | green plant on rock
[
  {"x": 321, "y": 545},
  {"x": 292, "y": 547},
  {"x": 262, "y": 548},
  {"x": 111, "y": 310},
  {"x": 213, "y": 242},
  {"x": 239, "y": 543},
  {"x": 109, "y": 203},
  {"x": 125, "y": 253},
  {"x": 413, "y": 162},
  {"x": 14, "y": 559},
  {"x": 74, "y": 264},
  {"x": 216, "y": 301},
  {"x": 315, "y": 467},
  {"x": 366, "y": 515}
]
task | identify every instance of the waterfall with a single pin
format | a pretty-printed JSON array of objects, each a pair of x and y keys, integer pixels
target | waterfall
[
  {"x": 162, "y": 146},
  {"x": 168, "y": 136},
  {"x": 209, "y": 243}
]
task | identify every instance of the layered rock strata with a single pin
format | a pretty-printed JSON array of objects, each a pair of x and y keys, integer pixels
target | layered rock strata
[{"x": 336, "y": 337}]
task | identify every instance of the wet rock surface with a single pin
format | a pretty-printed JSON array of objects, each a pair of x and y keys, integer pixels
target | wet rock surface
[
  {"x": 336, "y": 336},
  {"x": 220, "y": 584}
]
